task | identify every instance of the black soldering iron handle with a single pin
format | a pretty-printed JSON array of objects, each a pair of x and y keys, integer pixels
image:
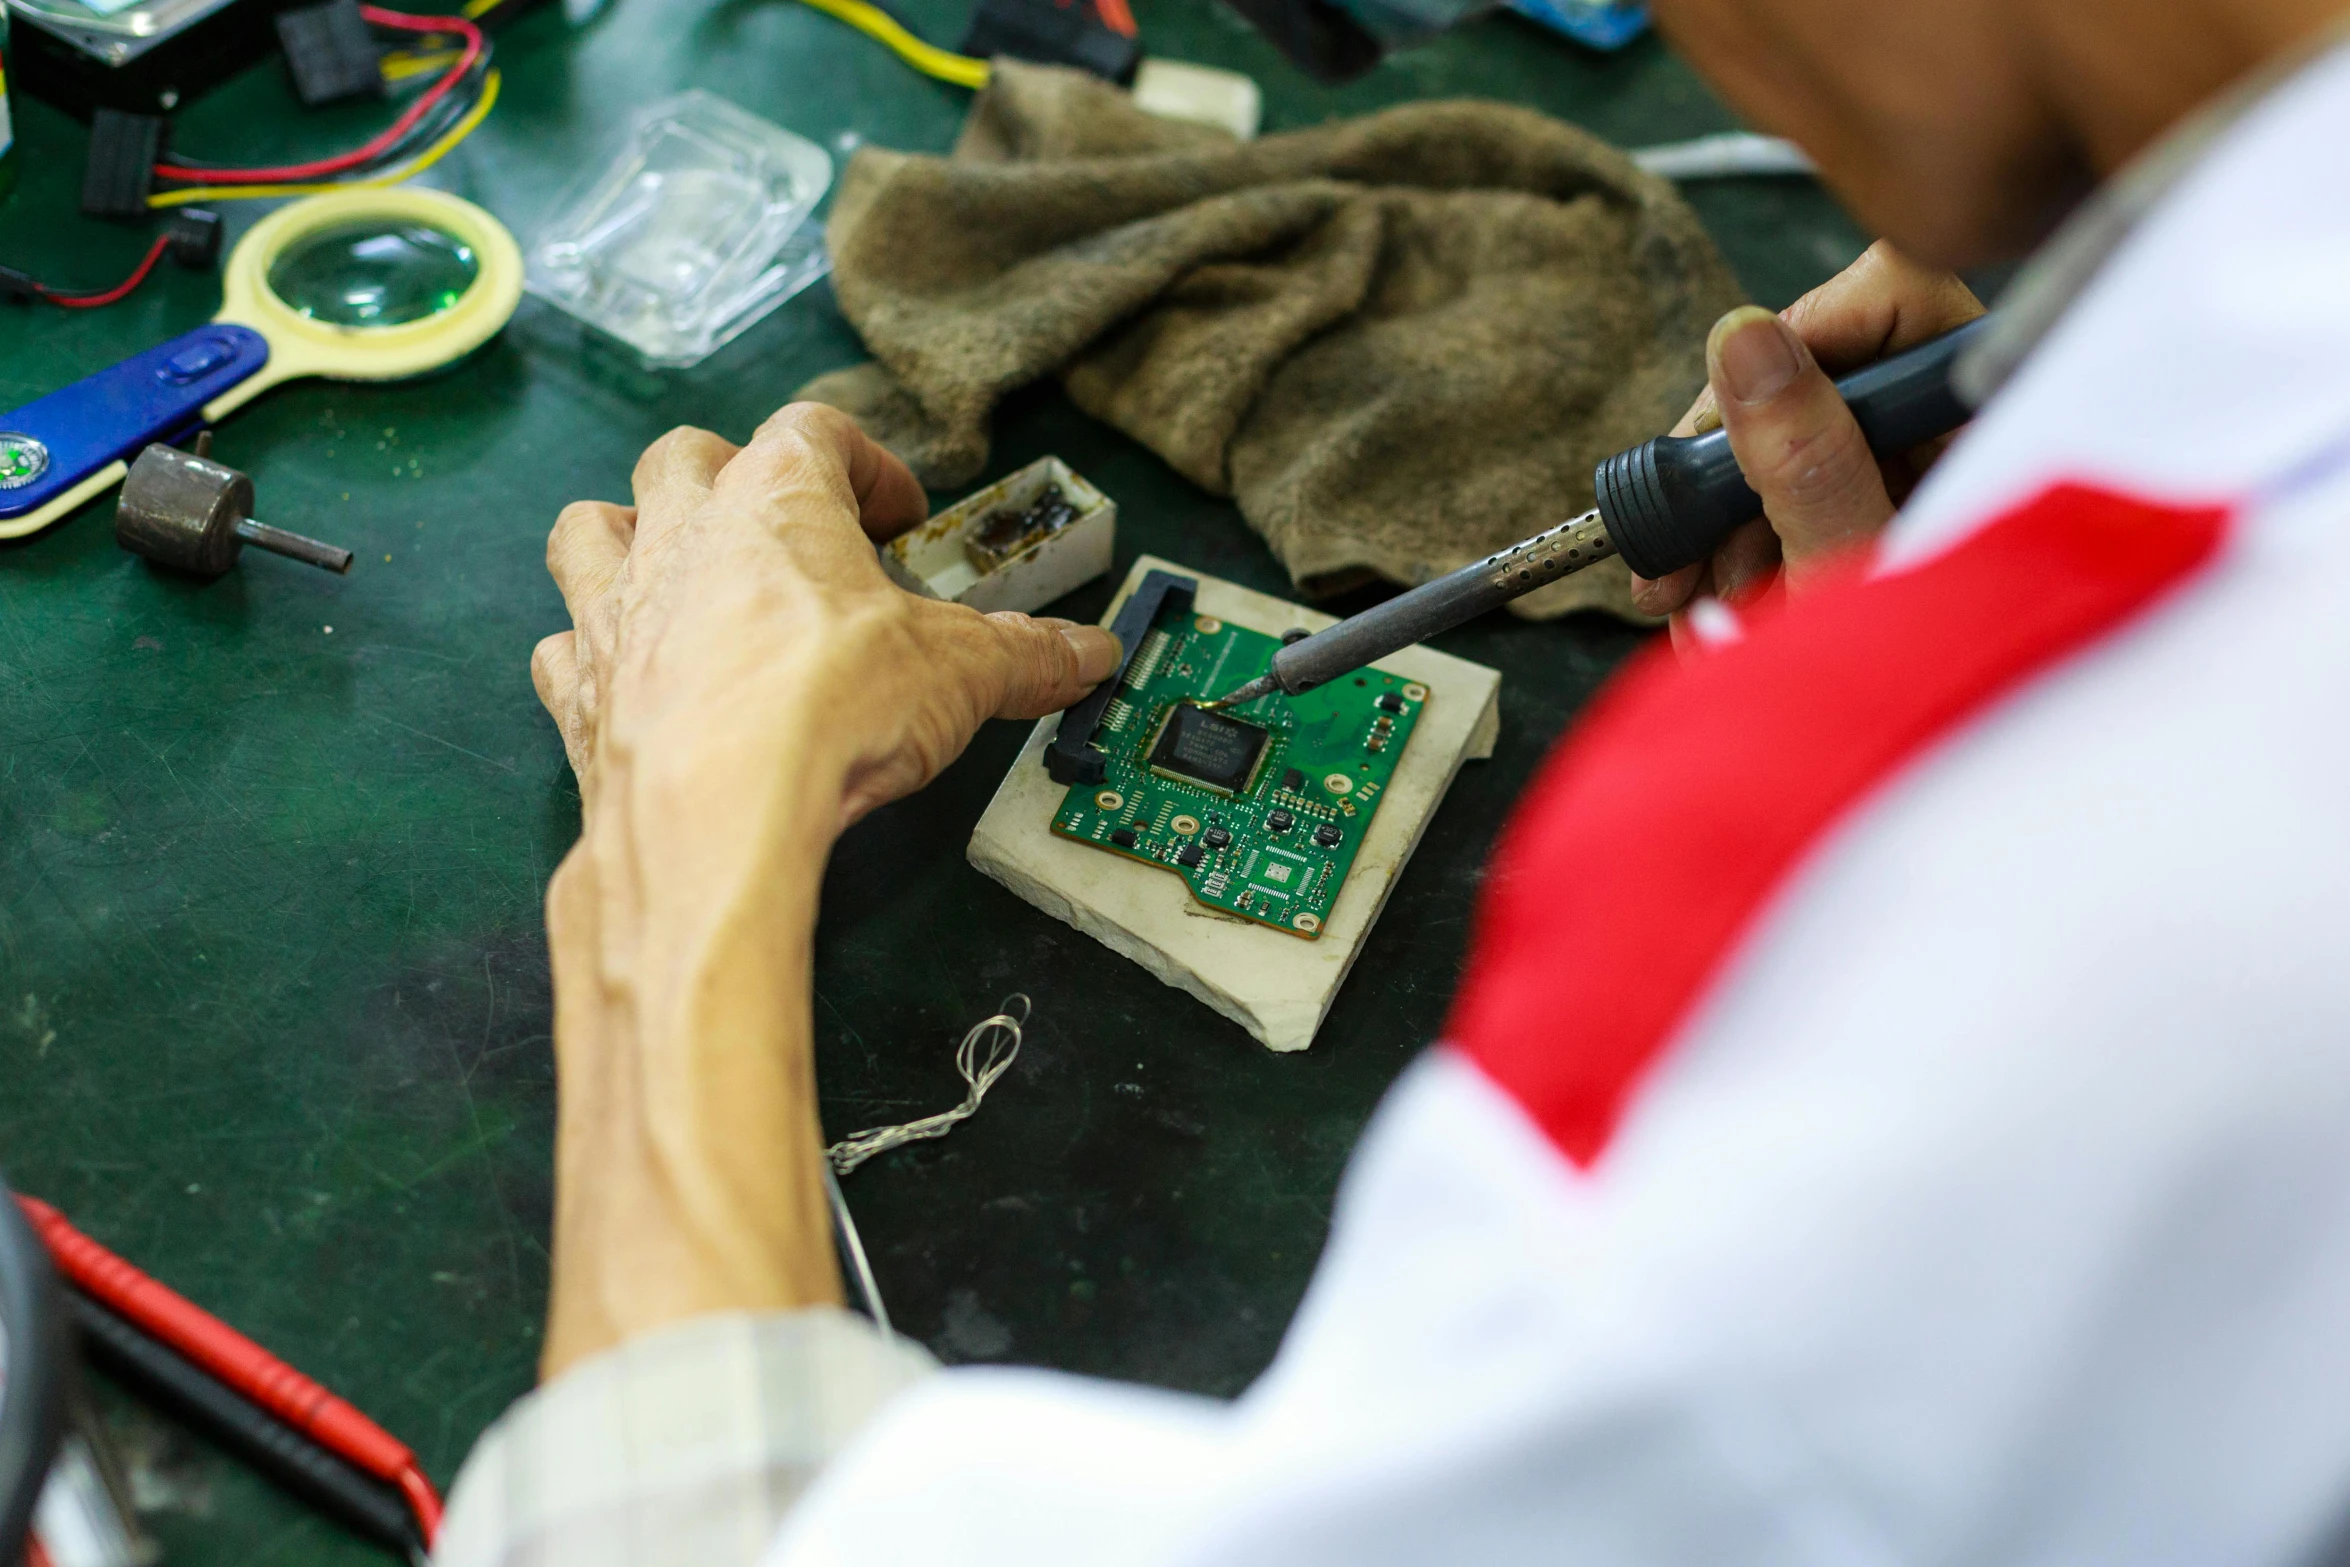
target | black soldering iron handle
[
  {"x": 1670, "y": 502},
  {"x": 1662, "y": 505}
]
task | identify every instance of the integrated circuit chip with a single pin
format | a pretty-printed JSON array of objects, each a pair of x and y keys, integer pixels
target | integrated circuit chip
[
  {"x": 1262, "y": 809},
  {"x": 1208, "y": 749}
]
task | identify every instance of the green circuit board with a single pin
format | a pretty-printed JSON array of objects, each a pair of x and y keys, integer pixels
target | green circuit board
[{"x": 1260, "y": 810}]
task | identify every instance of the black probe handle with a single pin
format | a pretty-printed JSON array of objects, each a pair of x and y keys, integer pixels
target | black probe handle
[
  {"x": 1670, "y": 502},
  {"x": 123, "y": 1349}
]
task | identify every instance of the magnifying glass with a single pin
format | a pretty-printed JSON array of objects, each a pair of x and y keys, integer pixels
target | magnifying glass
[{"x": 363, "y": 285}]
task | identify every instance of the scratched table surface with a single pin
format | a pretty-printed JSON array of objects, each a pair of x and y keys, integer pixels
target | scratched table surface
[{"x": 274, "y": 998}]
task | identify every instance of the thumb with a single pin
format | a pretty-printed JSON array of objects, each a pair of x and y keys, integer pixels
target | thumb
[
  {"x": 1797, "y": 443},
  {"x": 1050, "y": 663}
]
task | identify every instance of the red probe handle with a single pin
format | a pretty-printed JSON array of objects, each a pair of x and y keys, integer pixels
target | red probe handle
[{"x": 220, "y": 1349}]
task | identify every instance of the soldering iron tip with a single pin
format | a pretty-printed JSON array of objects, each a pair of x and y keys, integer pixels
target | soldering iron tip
[{"x": 1263, "y": 685}]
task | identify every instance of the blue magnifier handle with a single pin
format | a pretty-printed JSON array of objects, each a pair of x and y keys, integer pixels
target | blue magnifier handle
[{"x": 66, "y": 441}]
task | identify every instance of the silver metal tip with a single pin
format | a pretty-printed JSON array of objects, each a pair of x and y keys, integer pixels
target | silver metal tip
[{"x": 1261, "y": 686}]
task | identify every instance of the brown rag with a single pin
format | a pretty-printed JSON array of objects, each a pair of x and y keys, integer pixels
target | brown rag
[{"x": 1399, "y": 342}]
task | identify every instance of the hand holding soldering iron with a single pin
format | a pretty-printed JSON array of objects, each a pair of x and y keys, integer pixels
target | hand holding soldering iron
[{"x": 1774, "y": 473}]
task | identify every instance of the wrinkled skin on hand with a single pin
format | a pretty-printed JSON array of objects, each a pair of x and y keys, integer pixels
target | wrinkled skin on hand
[
  {"x": 1825, "y": 494},
  {"x": 740, "y": 682},
  {"x": 743, "y": 585}
]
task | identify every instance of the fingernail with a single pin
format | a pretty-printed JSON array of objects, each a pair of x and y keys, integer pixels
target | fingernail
[
  {"x": 1752, "y": 355},
  {"x": 1098, "y": 652}
]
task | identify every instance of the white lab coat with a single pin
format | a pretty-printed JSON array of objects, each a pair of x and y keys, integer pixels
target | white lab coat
[{"x": 1986, "y": 1197}]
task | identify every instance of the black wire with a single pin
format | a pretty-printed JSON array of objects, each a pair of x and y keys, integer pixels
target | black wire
[
  {"x": 32, "y": 1403},
  {"x": 19, "y": 285},
  {"x": 458, "y": 104},
  {"x": 453, "y": 107},
  {"x": 323, "y": 1479}
]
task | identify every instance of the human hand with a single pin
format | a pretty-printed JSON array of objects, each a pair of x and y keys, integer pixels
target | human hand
[
  {"x": 741, "y": 594},
  {"x": 1824, "y": 492},
  {"x": 741, "y": 681}
]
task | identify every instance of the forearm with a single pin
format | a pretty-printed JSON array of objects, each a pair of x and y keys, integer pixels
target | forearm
[
  {"x": 741, "y": 680},
  {"x": 681, "y": 927}
]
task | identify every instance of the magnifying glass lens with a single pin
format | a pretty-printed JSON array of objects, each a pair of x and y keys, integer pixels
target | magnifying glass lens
[{"x": 379, "y": 272}]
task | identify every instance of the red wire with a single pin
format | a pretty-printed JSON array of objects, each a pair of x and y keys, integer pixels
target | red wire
[
  {"x": 35, "y": 1553},
  {"x": 236, "y": 1360},
  {"x": 423, "y": 1500},
  {"x": 1117, "y": 16},
  {"x": 119, "y": 290},
  {"x": 376, "y": 145}
]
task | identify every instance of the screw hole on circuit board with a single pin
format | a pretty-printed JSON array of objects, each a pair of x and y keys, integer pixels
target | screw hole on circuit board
[
  {"x": 1110, "y": 800},
  {"x": 1208, "y": 625},
  {"x": 1416, "y": 692},
  {"x": 1339, "y": 783},
  {"x": 1183, "y": 826},
  {"x": 1307, "y": 923}
]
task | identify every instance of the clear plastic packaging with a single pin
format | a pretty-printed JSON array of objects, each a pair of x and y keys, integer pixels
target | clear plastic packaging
[{"x": 700, "y": 226}]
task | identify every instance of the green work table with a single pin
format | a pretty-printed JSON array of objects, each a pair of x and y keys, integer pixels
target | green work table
[{"x": 274, "y": 1002}]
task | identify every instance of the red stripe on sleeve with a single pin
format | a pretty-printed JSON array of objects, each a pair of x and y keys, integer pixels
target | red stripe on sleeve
[{"x": 1655, "y": 835}]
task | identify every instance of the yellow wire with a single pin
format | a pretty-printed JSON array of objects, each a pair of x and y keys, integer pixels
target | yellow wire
[
  {"x": 422, "y": 161},
  {"x": 399, "y": 65},
  {"x": 929, "y": 59},
  {"x": 960, "y": 69}
]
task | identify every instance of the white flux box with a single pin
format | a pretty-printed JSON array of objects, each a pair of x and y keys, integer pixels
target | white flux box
[{"x": 1278, "y": 987}]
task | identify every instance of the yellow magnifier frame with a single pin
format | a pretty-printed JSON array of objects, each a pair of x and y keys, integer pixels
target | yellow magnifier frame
[{"x": 300, "y": 345}]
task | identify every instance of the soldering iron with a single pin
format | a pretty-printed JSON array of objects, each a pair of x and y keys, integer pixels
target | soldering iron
[{"x": 1664, "y": 504}]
